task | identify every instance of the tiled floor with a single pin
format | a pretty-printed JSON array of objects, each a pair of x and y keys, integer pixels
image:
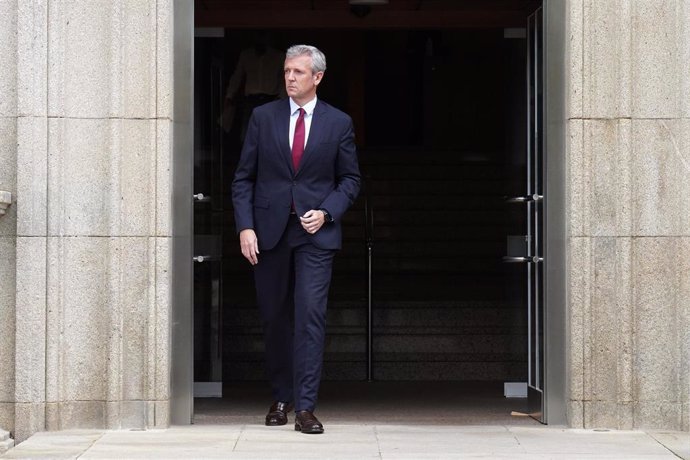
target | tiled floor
[{"x": 357, "y": 442}]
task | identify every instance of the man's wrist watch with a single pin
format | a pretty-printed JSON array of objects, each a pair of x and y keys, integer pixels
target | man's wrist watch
[{"x": 326, "y": 215}]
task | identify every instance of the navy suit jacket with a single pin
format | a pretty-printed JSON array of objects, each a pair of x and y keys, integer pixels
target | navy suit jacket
[{"x": 266, "y": 184}]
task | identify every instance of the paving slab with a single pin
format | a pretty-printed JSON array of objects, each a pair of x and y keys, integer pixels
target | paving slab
[
  {"x": 356, "y": 441},
  {"x": 678, "y": 443}
]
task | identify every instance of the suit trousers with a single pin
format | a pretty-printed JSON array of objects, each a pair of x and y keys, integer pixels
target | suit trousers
[{"x": 292, "y": 282}]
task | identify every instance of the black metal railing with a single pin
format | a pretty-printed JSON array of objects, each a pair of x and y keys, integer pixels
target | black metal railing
[{"x": 369, "y": 245}]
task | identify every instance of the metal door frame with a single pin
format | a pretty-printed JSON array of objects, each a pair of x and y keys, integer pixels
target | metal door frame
[
  {"x": 555, "y": 318},
  {"x": 555, "y": 295}
]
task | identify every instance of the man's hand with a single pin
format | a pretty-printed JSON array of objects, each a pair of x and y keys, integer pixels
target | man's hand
[
  {"x": 249, "y": 245},
  {"x": 312, "y": 221}
]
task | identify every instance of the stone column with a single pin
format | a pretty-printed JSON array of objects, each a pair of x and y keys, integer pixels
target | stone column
[
  {"x": 629, "y": 213},
  {"x": 8, "y": 222},
  {"x": 93, "y": 204}
]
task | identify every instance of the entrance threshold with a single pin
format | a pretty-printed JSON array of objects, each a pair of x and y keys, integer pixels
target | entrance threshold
[{"x": 353, "y": 402}]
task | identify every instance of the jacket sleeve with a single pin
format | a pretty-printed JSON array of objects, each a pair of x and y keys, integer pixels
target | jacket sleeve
[
  {"x": 245, "y": 178},
  {"x": 346, "y": 174}
]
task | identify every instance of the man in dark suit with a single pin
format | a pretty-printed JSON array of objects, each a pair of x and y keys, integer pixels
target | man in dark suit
[{"x": 296, "y": 177}]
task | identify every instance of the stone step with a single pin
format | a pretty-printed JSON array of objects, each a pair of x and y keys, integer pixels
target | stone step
[
  {"x": 351, "y": 314},
  {"x": 422, "y": 155},
  {"x": 380, "y": 357},
  {"x": 432, "y": 171},
  {"x": 396, "y": 371},
  {"x": 6, "y": 443},
  {"x": 405, "y": 344}
]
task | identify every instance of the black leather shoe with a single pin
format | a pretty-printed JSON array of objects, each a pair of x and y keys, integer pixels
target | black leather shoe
[
  {"x": 306, "y": 422},
  {"x": 278, "y": 413}
]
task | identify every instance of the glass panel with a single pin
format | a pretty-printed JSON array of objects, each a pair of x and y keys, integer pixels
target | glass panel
[{"x": 209, "y": 180}]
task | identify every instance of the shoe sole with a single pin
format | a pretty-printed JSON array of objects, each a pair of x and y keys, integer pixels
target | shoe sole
[
  {"x": 275, "y": 424},
  {"x": 299, "y": 428}
]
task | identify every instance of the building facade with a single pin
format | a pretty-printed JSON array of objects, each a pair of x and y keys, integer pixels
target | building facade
[{"x": 89, "y": 127}]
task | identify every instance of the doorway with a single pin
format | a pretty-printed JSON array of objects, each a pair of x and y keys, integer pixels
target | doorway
[{"x": 420, "y": 321}]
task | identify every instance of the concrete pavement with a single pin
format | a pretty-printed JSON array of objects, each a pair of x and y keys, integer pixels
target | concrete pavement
[{"x": 356, "y": 442}]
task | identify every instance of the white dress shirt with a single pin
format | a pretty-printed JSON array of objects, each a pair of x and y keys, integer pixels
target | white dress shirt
[{"x": 294, "y": 114}]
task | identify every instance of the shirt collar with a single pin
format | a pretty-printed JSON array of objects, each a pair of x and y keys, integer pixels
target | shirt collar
[{"x": 308, "y": 107}]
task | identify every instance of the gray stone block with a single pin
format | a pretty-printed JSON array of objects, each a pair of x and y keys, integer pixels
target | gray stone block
[
  {"x": 657, "y": 269},
  {"x": 52, "y": 416},
  {"x": 607, "y": 178},
  {"x": 32, "y": 58},
  {"x": 607, "y": 360},
  {"x": 606, "y": 59},
  {"x": 103, "y": 59},
  {"x": 658, "y": 415},
  {"x": 29, "y": 418},
  {"x": 575, "y": 410},
  {"x": 7, "y": 416},
  {"x": 126, "y": 415},
  {"x": 82, "y": 80},
  {"x": 80, "y": 292},
  {"x": 684, "y": 327},
  {"x": 657, "y": 66},
  {"x": 136, "y": 169},
  {"x": 6, "y": 442},
  {"x": 162, "y": 414},
  {"x": 579, "y": 311},
  {"x": 575, "y": 12},
  {"x": 82, "y": 414},
  {"x": 660, "y": 168},
  {"x": 164, "y": 60},
  {"x": 136, "y": 32},
  {"x": 102, "y": 177},
  {"x": 162, "y": 319},
  {"x": 8, "y": 173},
  {"x": 164, "y": 196},
  {"x": 8, "y": 59},
  {"x": 7, "y": 319},
  {"x": 578, "y": 179},
  {"x": 31, "y": 320},
  {"x": 683, "y": 14},
  {"x": 32, "y": 170},
  {"x": 136, "y": 305},
  {"x": 601, "y": 414}
]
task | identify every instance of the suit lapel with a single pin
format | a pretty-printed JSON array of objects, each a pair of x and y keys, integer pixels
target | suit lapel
[
  {"x": 315, "y": 133},
  {"x": 282, "y": 128}
]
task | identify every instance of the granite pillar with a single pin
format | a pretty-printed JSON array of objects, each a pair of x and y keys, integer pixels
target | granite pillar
[{"x": 629, "y": 189}]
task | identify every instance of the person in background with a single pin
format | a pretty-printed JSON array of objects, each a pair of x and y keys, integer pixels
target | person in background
[{"x": 258, "y": 76}]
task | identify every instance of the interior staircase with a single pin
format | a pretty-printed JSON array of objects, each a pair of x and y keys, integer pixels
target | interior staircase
[{"x": 444, "y": 305}]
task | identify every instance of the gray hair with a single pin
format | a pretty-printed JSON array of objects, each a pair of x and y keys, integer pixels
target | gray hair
[{"x": 318, "y": 59}]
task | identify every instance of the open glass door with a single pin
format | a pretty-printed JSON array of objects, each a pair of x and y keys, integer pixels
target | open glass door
[
  {"x": 527, "y": 249},
  {"x": 209, "y": 209},
  {"x": 535, "y": 216}
]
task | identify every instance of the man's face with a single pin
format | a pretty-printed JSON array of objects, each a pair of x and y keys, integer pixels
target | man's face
[{"x": 300, "y": 81}]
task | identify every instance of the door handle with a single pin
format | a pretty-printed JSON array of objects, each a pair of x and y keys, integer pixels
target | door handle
[
  {"x": 519, "y": 260},
  {"x": 200, "y": 259},
  {"x": 201, "y": 197},
  {"x": 525, "y": 199}
]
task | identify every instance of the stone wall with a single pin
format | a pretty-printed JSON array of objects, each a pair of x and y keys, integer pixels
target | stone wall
[
  {"x": 629, "y": 213},
  {"x": 93, "y": 126}
]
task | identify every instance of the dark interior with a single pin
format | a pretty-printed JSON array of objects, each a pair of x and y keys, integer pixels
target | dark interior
[{"x": 440, "y": 125}]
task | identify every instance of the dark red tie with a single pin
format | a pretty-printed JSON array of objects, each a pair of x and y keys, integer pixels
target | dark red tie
[{"x": 298, "y": 140}]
